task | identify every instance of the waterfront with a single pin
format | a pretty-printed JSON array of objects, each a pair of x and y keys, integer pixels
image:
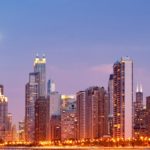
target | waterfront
[{"x": 74, "y": 148}]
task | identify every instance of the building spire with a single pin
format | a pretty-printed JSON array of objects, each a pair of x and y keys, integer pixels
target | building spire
[
  {"x": 137, "y": 88},
  {"x": 141, "y": 89}
]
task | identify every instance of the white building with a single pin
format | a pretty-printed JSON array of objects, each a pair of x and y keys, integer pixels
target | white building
[{"x": 55, "y": 104}]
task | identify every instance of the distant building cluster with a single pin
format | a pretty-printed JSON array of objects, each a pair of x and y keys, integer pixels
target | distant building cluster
[
  {"x": 92, "y": 113},
  {"x": 7, "y": 129}
]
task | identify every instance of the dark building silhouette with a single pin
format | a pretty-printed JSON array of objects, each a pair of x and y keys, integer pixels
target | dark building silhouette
[
  {"x": 2, "y": 89},
  {"x": 139, "y": 114},
  {"x": 35, "y": 88},
  {"x": 31, "y": 94},
  {"x": 55, "y": 127},
  {"x": 110, "y": 105},
  {"x": 148, "y": 115},
  {"x": 41, "y": 119}
]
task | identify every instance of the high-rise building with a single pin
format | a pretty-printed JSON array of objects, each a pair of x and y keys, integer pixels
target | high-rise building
[
  {"x": 55, "y": 105},
  {"x": 147, "y": 115},
  {"x": 139, "y": 113},
  {"x": 55, "y": 127},
  {"x": 55, "y": 98},
  {"x": 21, "y": 131},
  {"x": 32, "y": 93},
  {"x": 81, "y": 115},
  {"x": 110, "y": 94},
  {"x": 14, "y": 133},
  {"x": 148, "y": 103},
  {"x": 139, "y": 98},
  {"x": 40, "y": 67},
  {"x": 9, "y": 128},
  {"x": 123, "y": 98},
  {"x": 92, "y": 113},
  {"x": 68, "y": 117},
  {"x": 110, "y": 103},
  {"x": 3, "y": 114},
  {"x": 35, "y": 88},
  {"x": 51, "y": 87},
  {"x": 41, "y": 119}
]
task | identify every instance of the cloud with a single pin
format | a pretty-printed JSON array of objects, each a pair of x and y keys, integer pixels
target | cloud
[{"x": 103, "y": 68}]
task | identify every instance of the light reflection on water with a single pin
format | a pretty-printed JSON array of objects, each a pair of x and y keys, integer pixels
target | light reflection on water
[{"x": 90, "y": 148}]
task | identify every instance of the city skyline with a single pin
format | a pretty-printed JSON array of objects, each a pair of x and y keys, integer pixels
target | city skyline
[{"x": 89, "y": 41}]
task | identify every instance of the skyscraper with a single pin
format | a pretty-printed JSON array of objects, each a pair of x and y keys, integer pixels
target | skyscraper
[
  {"x": 32, "y": 93},
  {"x": 9, "y": 127},
  {"x": 55, "y": 98},
  {"x": 35, "y": 88},
  {"x": 139, "y": 98},
  {"x": 92, "y": 113},
  {"x": 21, "y": 128},
  {"x": 81, "y": 115},
  {"x": 110, "y": 94},
  {"x": 3, "y": 114},
  {"x": 55, "y": 127},
  {"x": 123, "y": 98},
  {"x": 148, "y": 114},
  {"x": 40, "y": 67},
  {"x": 41, "y": 119},
  {"x": 54, "y": 111},
  {"x": 51, "y": 87},
  {"x": 110, "y": 105},
  {"x": 139, "y": 113},
  {"x": 68, "y": 117}
]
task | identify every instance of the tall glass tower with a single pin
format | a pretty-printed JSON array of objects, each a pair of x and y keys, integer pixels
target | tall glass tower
[
  {"x": 40, "y": 67},
  {"x": 35, "y": 88},
  {"x": 123, "y": 98}
]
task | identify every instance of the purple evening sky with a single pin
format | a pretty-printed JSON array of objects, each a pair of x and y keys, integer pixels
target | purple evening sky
[{"x": 81, "y": 40}]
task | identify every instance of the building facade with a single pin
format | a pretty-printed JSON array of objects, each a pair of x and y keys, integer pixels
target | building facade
[
  {"x": 92, "y": 113},
  {"x": 21, "y": 131},
  {"x": 123, "y": 98},
  {"x": 139, "y": 114},
  {"x": 40, "y": 67},
  {"x": 3, "y": 115},
  {"x": 41, "y": 119},
  {"x": 32, "y": 93},
  {"x": 110, "y": 103},
  {"x": 68, "y": 117},
  {"x": 55, "y": 127},
  {"x": 81, "y": 115},
  {"x": 35, "y": 88},
  {"x": 147, "y": 116}
]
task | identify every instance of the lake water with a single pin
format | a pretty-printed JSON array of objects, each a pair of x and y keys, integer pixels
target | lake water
[{"x": 67, "y": 148}]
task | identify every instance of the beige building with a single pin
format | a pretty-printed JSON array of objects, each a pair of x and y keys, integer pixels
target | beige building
[{"x": 92, "y": 113}]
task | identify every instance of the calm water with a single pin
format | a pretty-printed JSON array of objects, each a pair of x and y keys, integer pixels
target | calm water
[{"x": 88, "y": 148}]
